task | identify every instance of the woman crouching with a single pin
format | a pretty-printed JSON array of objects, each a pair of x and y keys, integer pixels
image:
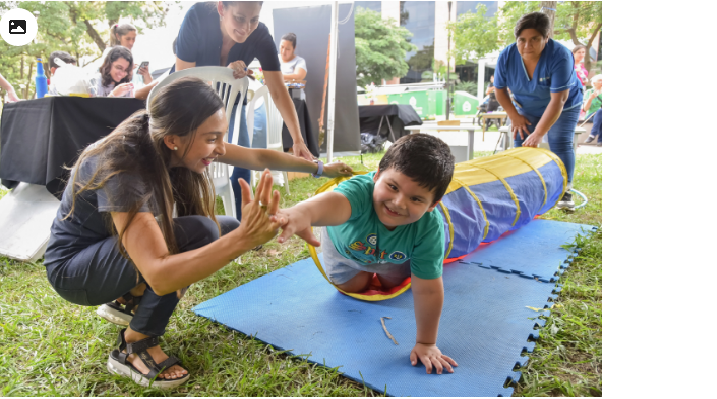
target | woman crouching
[{"x": 115, "y": 235}]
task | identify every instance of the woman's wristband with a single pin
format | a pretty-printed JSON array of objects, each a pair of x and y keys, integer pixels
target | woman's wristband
[{"x": 320, "y": 169}]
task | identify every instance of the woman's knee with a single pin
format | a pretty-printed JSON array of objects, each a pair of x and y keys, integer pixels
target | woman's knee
[
  {"x": 192, "y": 232},
  {"x": 228, "y": 223}
]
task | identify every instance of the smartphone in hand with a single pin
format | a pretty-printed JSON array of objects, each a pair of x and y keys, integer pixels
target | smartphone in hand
[{"x": 143, "y": 64}]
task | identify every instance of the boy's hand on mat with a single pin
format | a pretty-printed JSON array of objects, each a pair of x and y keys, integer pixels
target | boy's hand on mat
[
  {"x": 431, "y": 356},
  {"x": 259, "y": 222},
  {"x": 336, "y": 169},
  {"x": 298, "y": 223}
]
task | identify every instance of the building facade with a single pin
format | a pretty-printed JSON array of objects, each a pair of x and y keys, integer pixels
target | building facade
[{"x": 427, "y": 20}]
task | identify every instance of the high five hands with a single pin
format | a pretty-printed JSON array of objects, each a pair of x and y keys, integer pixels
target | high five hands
[{"x": 259, "y": 221}]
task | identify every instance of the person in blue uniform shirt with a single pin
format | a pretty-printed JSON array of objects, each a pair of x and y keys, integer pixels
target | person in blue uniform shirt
[
  {"x": 547, "y": 93},
  {"x": 228, "y": 33}
]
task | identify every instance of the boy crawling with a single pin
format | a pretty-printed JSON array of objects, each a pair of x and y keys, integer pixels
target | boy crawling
[{"x": 386, "y": 222}]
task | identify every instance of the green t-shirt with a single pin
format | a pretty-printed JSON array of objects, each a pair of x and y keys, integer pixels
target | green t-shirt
[
  {"x": 364, "y": 239},
  {"x": 595, "y": 105}
]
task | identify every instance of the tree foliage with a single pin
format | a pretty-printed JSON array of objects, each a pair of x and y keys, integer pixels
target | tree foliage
[
  {"x": 78, "y": 27},
  {"x": 381, "y": 47},
  {"x": 475, "y": 35}
]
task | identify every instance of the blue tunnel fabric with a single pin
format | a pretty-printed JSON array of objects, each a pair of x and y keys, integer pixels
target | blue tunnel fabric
[{"x": 512, "y": 187}]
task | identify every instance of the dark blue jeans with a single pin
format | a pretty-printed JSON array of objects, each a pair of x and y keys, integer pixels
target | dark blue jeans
[
  {"x": 99, "y": 273},
  {"x": 597, "y": 126},
  {"x": 560, "y": 137}
]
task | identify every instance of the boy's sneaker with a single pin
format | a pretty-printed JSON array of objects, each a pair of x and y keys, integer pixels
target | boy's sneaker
[
  {"x": 590, "y": 139},
  {"x": 566, "y": 203}
]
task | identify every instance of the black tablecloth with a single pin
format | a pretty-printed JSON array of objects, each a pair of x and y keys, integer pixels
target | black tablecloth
[
  {"x": 399, "y": 116},
  {"x": 312, "y": 142},
  {"x": 39, "y": 137}
]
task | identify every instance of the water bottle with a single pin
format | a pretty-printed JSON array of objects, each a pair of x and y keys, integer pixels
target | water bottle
[{"x": 40, "y": 80}]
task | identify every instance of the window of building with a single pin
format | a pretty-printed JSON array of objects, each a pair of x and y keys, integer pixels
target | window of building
[
  {"x": 470, "y": 6},
  {"x": 419, "y": 18},
  {"x": 371, "y": 5}
]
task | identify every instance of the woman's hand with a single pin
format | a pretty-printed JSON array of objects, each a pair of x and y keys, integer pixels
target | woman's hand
[
  {"x": 259, "y": 222},
  {"x": 12, "y": 97},
  {"x": 144, "y": 71},
  {"x": 594, "y": 94},
  {"x": 519, "y": 124},
  {"x": 301, "y": 151},
  {"x": 122, "y": 89},
  {"x": 533, "y": 140},
  {"x": 336, "y": 169},
  {"x": 240, "y": 69}
]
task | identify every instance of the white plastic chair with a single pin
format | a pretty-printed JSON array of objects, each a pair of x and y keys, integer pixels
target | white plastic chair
[
  {"x": 26, "y": 215},
  {"x": 228, "y": 88},
  {"x": 274, "y": 124}
]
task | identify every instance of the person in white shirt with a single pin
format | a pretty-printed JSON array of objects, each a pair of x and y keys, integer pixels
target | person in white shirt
[
  {"x": 115, "y": 76},
  {"x": 292, "y": 66}
]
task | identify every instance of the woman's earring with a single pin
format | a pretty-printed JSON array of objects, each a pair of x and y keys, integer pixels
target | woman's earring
[{"x": 175, "y": 148}]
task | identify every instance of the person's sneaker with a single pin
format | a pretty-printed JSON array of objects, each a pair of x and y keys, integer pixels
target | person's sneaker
[
  {"x": 566, "y": 202},
  {"x": 590, "y": 139},
  {"x": 115, "y": 312}
]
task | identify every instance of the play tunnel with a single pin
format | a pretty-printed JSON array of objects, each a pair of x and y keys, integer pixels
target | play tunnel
[{"x": 487, "y": 197}]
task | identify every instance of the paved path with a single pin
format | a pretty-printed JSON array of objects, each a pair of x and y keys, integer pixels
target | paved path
[{"x": 492, "y": 137}]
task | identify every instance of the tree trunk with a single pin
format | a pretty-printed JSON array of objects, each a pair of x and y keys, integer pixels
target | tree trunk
[
  {"x": 548, "y": 8},
  {"x": 588, "y": 61},
  {"x": 29, "y": 80},
  {"x": 95, "y": 36}
]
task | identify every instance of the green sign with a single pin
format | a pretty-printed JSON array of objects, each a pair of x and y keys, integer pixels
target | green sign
[{"x": 427, "y": 103}]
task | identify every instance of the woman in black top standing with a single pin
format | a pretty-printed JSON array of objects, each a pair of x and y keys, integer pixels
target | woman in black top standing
[{"x": 228, "y": 33}]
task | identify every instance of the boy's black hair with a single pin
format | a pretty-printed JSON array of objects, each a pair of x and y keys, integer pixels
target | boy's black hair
[
  {"x": 424, "y": 159},
  {"x": 64, "y": 56}
]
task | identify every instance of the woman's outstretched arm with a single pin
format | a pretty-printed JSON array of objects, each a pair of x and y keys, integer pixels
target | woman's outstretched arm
[{"x": 167, "y": 273}]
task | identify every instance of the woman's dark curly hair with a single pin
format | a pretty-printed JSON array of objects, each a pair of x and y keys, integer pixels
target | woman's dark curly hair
[
  {"x": 534, "y": 20},
  {"x": 116, "y": 53}
]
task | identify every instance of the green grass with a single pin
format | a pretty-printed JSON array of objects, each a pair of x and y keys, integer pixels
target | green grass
[{"x": 50, "y": 347}]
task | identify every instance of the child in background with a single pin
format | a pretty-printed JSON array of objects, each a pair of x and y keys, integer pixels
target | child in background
[{"x": 386, "y": 222}]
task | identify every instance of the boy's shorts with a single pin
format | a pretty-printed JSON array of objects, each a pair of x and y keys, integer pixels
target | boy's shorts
[{"x": 339, "y": 269}]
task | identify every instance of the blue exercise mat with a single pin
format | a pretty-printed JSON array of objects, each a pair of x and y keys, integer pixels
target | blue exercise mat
[
  {"x": 539, "y": 249},
  {"x": 485, "y": 326}
]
